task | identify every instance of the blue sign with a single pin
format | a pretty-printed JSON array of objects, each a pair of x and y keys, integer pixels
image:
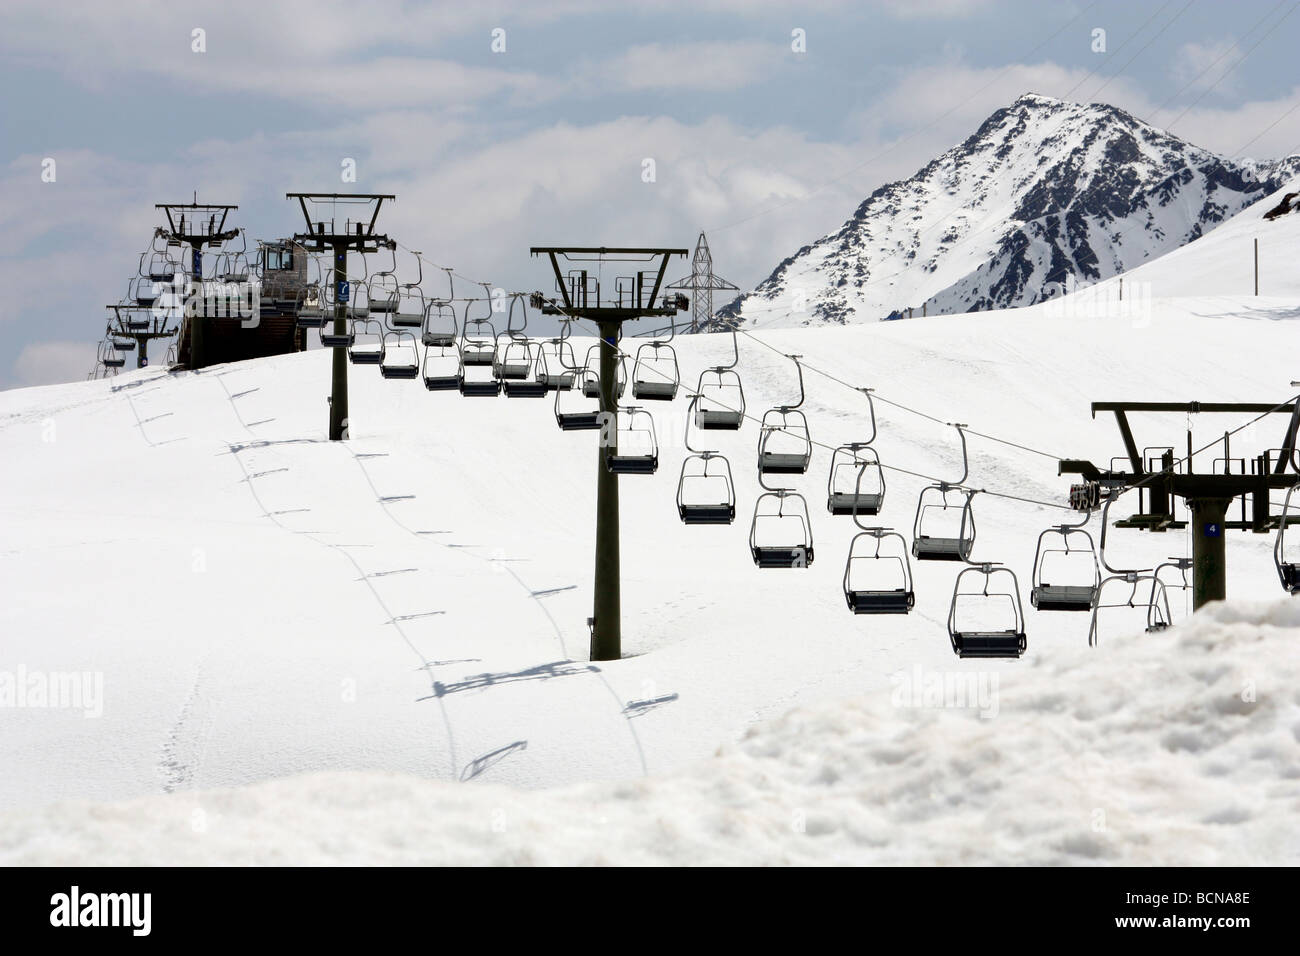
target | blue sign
[
  {"x": 341, "y": 290},
  {"x": 197, "y": 258},
  {"x": 1214, "y": 531}
]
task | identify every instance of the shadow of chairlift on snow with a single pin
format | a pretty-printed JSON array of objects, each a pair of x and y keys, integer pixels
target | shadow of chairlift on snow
[
  {"x": 490, "y": 759},
  {"x": 635, "y": 708},
  {"x": 538, "y": 672}
]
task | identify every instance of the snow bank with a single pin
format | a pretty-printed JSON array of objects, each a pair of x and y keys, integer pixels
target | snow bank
[{"x": 1179, "y": 748}]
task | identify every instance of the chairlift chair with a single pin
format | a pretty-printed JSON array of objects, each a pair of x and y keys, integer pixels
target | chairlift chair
[
  {"x": 160, "y": 267},
  {"x": 531, "y": 385},
  {"x": 591, "y": 384},
  {"x": 411, "y": 306},
  {"x": 1133, "y": 578},
  {"x": 1287, "y": 558},
  {"x": 784, "y": 443},
  {"x": 636, "y": 451},
  {"x": 780, "y": 535},
  {"x": 109, "y": 357},
  {"x": 144, "y": 291},
  {"x": 706, "y": 493},
  {"x": 480, "y": 349},
  {"x": 312, "y": 313},
  {"x": 367, "y": 344},
  {"x": 845, "y": 491},
  {"x": 512, "y": 359},
  {"x": 1159, "y": 614},
  {"x": 123, "y": 345},
  {"x": 439, "y": 329},
  {"x": 978, "y": 638},
  {"x": 442, "y": 370},
  {"x": 866, "y": 574},
  {"x": 933, "y": 537},
  {"x": 331, "y": 339},
  {"x": 399, "y": 355},
  {"x": 382, "y": 291},
  {"x": 655, "y": 374},
  {"x": 552, "y": 369},
  {"x": 1052, "y": 562},
  {"x": 584, "y": 418},
  {"x": 721, "y": 396}
]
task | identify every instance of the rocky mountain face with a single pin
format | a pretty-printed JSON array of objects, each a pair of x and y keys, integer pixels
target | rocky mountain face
[{"x": 1045, "y": 194}]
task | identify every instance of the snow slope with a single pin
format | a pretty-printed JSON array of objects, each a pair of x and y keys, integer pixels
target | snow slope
[
  {"x": 261, "y": 602},
  {"x": 1182, "y": 751},
  {"x": 1044, "y": 193}
]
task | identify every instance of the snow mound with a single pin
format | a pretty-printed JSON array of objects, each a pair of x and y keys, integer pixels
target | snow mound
[{"x": 1179, "y": 749}]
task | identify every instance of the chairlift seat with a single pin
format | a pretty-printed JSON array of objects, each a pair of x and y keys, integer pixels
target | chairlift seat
[
  {"x": 782, "y": 557},
  {"x": 655, "y": 391},
  {"x": 632, "y": 464},
  {"x": 989, "y": 643},
  {"x": 591, "y": 388},
  {"x": 405, "y": 370},
  {"x": 718, "y": 418},
  {"x": 477, "y": 389},
  {"x": 578, "y": 421},
  {"x": 386, "y": 304},
  {"x": 707, "y": 514},
  {"x": 1290, "y": 574},
  {"x": 438, "y": 339},
  {"x": 898, "y": 601},
  {"x": 113, "y": 361},
  {"x": 512, "y": 371},
  {"x": 137, "y": 325},
  {"x": 526, "y": 389},
  {"x": 124, "y": 345},
  {"x": 1059, "y": 597},
  {"x": 442, "y": 383},
  {"x": 477, "y": 356},
  {"x": 310, "y": 319},
  {"x": 926, "y": 548},
  {"x": 165, "y": 277},
  {"x": 407, "y": 320},
  {"x": 365, "y": 355},
  {"x": 848, "y": 502},
  {"x": 783, "y": 463},
  {"x": 337, "y": 340}
]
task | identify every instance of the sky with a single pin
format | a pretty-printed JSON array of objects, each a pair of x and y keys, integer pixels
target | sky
[{"x": 500, "y": 126}]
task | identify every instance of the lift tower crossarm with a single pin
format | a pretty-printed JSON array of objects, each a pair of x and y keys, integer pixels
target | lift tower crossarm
[{"x": 362, "y": 239}]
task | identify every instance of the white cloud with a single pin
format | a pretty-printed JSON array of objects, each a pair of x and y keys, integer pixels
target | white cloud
[{"x": 1200, "y": 66}]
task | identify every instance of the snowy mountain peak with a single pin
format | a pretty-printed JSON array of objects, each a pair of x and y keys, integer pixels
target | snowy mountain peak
[{"x": 1044, "y": 193}]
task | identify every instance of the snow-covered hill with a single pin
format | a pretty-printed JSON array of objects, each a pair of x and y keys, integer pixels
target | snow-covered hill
[
  {"x": 259, "y": 602},
  {"x": 1043, "y": 194}
]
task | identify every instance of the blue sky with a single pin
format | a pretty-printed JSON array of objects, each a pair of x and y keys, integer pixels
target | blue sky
[{"x": 489, "y": 152}]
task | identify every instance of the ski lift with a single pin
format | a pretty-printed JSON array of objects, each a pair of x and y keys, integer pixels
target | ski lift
[
  {"x": 655, "y": 374},
  {"x": 584, "y": 418},
  {"x": 1159, "y": 615},
  {"x": 591, "y": 384},
  {"x": 512, "y": 358},
  {"x": 868, "y": 576},
  {"x": 123, "y": 345},
  {"x": 552, "y": 367},
  {"x": 721, "y": 398},
  {"x": 367, "y": 343},
  {"x": 399, "y": 355},
  {"x": 439, "y": 330},
  {"x": 1133, "y": 579},
  {"x": 1079, "y": 564},
  {"x": 934, "y": 537},
  {"x": 109, "y": 357},
  {"x": 784, "y": 444},
  {"x": 331, "y": 339},
  {"x": 232, "y": 264},
  {"x": 160, "y": 267},
  {"x": 635, "y": 452},
  {"x": 144, "y": 291},
  {"x": 442, "y": 370},
  {"x": 312, "y": 312},
  {"x": 412, "y": 308},
  {"x": 705, "y": 491},
  {"x": 849, "y": 463},
  {"x": 531, "y": 385},
  {"x": 382, "y": 291},
  {"x": 780, "y": 536},
  {"x": 1287, "y": 559},
  {"x": 479, "y": 349},
  {"x": 976, "y": 633}
]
